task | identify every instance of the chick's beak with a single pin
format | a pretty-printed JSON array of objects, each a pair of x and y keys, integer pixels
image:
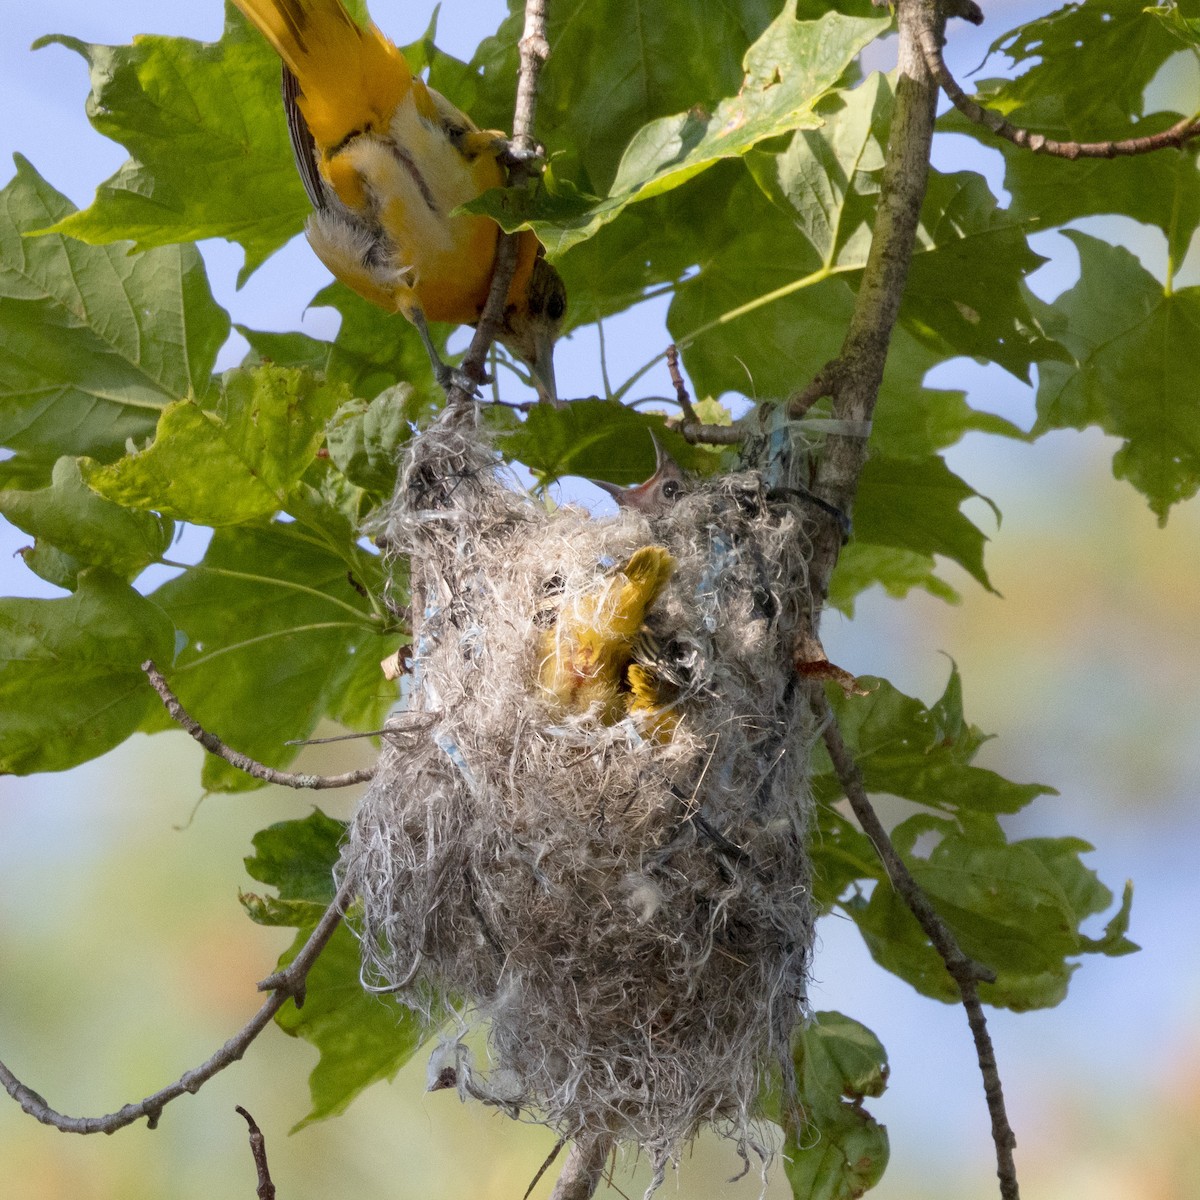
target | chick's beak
[{"x": 655, "y": 497}]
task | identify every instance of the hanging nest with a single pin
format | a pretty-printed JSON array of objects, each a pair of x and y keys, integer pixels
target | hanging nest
[{"x": 587, "y": 829}]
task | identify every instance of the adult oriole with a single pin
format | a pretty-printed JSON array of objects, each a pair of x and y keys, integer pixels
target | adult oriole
[{"x": 385, "y": 161}]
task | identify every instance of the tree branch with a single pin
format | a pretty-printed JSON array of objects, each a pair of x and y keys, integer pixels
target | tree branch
[
  {"x": 1179, "y": 133},
  {"x": 853, "y": 381},
  {"x": 534, "y": 50},
  {"x": 965, "y": 971},
  {"x": 284, "y": 985},
  {"x": 214, "y": 745},
  {"x": 258, "y": 1148}
]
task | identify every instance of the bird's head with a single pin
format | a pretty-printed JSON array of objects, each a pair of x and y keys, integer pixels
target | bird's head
[
  {"x": 657, "y": 496},
  {"x": 532, "y": 320}
]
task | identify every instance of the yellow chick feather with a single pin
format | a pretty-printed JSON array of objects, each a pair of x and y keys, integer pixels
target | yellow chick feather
[{"x": 587, "y": 655}]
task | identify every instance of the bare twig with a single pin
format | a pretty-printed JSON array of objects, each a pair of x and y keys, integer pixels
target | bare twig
[
  {"x": 1037, "y": 143},
  {"x": 965, "y": 971},
  {"x": 214, "y": 745},
  {"x": 284, "y": 985},
  {"x": 258, "y": 1147},
  {"x": 692, "y": 428},
  {"x": 682, "y": 396},
  {"x": 535, "y": 49},
  {"x": 544, "y": 1167}
]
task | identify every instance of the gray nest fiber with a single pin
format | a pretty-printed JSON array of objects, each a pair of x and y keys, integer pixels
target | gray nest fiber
[{"x": 624, "y": 906}]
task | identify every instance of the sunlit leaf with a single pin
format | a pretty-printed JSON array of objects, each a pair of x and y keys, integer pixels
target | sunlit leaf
[
  {"x": 233, "y": 463},
  {"x": 69, "y": 517},
  {"x": 71, "y": 686},
  {"x": 644, "y": 61},
  {"x": 364, "y": 438},
  {"x": 787, "y": 71},
  {"x": 1117, "y": 320},
  {"x": 94, "y": 343},
  {"x": 209, "y": 151}
]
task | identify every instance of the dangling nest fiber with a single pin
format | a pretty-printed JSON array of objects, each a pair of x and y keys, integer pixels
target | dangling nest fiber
[{"x": 621, "y": 896}]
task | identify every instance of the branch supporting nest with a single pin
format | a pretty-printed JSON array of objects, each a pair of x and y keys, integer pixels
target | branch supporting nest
[
  {"x": 853, "y": 381},
  {"x": 284, "y": 985},
  {"x": 1175, "y": 137},
  {"x": 964, "y": 970},
  {"x": 235, "y": 758}
]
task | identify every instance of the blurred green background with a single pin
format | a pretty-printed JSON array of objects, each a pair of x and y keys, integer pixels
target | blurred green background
[{"x": 125, "y": 958}]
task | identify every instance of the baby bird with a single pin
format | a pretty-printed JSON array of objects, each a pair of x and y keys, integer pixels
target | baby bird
[
  {"x": 587, "y": 655},
  {"x": 657, "y": 496}
]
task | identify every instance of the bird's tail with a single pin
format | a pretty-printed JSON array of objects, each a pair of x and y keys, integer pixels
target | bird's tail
[{"x": 351, "y": 78}]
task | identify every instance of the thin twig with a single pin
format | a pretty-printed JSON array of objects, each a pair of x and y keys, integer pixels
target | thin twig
[
  {"x": 258, "y": 1147},
  {"x": 284, "y": 985},
  {"x": 682, "y": 396},
  {"x": 235, "y": 758},
  {"x": 1037, "y": 143},
  {"x": 964, "y": 970},
  {"x": 535, "y": 49},
  {"x": 692, "y": 428}
]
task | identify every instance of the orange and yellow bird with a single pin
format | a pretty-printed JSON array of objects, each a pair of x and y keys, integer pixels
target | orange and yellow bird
[
  {"x": 386, "y": 160},
  {"x": 587, "y": 655}
]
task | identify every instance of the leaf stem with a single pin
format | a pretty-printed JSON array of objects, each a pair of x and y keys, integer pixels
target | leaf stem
[
  {"x": 267, "y": 637},
  {"x": 248, "y": 577}
]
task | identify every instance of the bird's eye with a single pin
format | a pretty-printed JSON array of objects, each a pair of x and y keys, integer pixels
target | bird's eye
[
  {"x": 671, "y": 489},
  {"x": 555, "y": 307}
]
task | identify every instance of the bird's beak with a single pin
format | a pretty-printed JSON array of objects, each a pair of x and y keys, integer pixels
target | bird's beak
[
  {"x": 641, "y": 496},
  {"x": 615, "y": 490},
  {"x": 542, "y": 368},
  {"x": 663, "y": 462}
]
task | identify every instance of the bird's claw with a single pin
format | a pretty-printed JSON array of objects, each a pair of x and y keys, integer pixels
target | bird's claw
[
  {"x": 512, "y": 155},
  {"x": 451, "y": 378}
]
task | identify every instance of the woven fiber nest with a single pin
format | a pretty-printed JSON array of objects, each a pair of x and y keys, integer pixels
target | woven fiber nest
[{"x": 620, "y": 896}]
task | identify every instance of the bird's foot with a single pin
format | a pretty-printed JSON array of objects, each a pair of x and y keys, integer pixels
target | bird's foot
[
  {"x": 451, "y": 379},
  {"x": 511, "y": 155}
]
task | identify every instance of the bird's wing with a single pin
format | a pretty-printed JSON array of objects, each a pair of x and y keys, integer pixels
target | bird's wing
[{"x": 304, "y": 148}]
